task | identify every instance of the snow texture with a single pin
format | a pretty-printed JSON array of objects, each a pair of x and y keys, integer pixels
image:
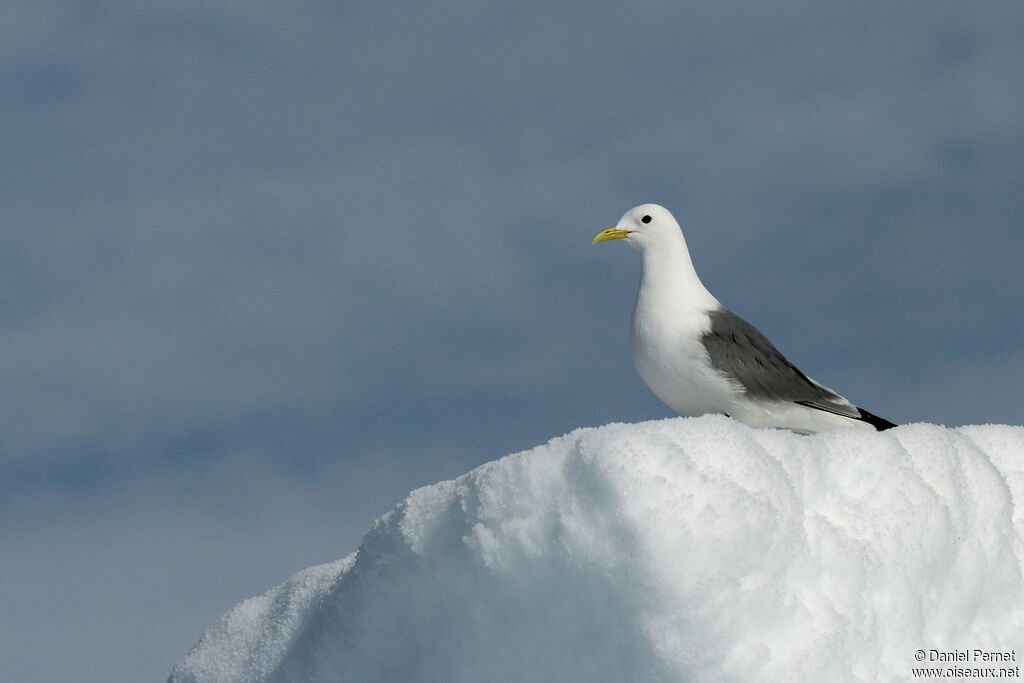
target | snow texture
[{"x": 684, "y": 549}]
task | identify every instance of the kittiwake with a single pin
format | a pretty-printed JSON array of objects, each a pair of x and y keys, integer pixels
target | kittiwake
[{"x": 699, "y": 357}]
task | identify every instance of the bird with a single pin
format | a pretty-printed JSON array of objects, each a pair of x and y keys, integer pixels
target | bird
[{"x": 699, "y": 357}]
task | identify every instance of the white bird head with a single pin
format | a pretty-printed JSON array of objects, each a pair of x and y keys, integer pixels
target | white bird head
[{"x": 643, "y": 226}]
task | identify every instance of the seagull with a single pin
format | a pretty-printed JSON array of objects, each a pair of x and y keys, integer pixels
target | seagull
[{"x": 698, "y": 357}]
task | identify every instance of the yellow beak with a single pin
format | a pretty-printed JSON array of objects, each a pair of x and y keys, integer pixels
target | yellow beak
[{"x": 612, "y": 233}]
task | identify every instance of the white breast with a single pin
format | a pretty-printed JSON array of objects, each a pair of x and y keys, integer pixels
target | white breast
[{"x": 671, "y": 360}]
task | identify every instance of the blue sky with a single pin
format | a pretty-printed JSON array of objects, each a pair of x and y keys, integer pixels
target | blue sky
[{"x": 265, "y": 269}]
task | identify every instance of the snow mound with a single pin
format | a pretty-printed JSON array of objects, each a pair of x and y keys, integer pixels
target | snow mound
[{"x": 685, "y": 549}]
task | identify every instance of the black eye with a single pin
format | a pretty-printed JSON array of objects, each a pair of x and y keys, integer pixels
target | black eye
[{"x": 645, "y": 219}]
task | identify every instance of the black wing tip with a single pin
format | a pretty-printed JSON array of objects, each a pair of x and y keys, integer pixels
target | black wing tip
[{"x": 879, "y": 423}]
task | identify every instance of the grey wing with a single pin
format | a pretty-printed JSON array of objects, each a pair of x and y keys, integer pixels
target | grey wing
[{"x": 738, "y": 349}]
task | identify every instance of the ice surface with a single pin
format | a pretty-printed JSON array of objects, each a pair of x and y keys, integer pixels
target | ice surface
[{"x": 685, "y": 549}]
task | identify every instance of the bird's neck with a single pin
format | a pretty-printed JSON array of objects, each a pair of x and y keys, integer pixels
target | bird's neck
[{"x": 668, "y": 280}]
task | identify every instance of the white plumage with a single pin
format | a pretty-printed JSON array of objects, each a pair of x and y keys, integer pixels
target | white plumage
[{"x": 699, "y": 358}]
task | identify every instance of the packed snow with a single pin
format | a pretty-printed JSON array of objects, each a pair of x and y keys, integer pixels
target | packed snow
[{"x": 684, "y": 549}]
